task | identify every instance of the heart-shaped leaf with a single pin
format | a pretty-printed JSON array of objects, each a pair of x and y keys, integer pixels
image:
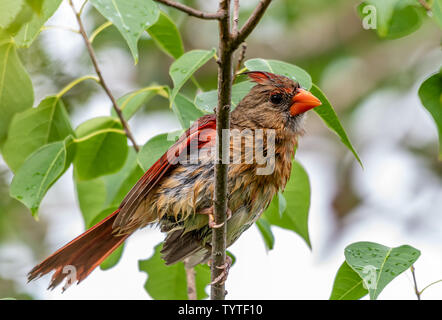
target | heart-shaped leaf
[{"x": 378, "y": 265}]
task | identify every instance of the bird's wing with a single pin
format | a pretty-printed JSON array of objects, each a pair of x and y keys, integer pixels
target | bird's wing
[{"x": 200, "y": 134}]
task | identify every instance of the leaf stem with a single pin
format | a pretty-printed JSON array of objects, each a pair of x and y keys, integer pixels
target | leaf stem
[
  {"x": 416, "y": 290},
  {"x": 102, "y": 81},
  {"x": 431, "y": 284},
  {"x": 74, "y": 83},
  {"x": 425, "y": 5},
  {"x": 98, "y": 30}
]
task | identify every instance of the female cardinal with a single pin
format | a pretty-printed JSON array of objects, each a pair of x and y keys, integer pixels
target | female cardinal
[{"x": 176, "y": 192}]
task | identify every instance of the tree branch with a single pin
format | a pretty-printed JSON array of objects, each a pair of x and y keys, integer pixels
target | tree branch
[
  {"x": 416, "y": 290},
  {"x": 235, "y": 17},
  {"x": 100, "y": 76},
  {"x": 425, "y": 5},
  {"x": 241, "y": 58},
  {"x": 192, "y": 12},
  {"x": 191, "y": 283},
  {"x": 251, "y": 23}
]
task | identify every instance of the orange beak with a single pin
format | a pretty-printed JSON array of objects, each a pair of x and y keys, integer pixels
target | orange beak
[{"x": 303, "y": 101}]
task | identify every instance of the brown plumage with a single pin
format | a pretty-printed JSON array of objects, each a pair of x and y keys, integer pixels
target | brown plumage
[{"x": 176, "y": 192}]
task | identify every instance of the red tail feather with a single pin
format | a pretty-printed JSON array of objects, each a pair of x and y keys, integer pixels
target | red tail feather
[{"x": 82, "y": 255}]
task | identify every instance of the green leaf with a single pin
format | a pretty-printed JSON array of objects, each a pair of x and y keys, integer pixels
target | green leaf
[
  {"x": 166, "y": 35},
  {"x": 297, "y": 197},
  {"x": 329, "y": 116},
  {"x": 101, "y": 148},
  {"x": 23, "y": 17},
  {"x": 155, "y": 148},
  {"x": 282, "y": 68},
  {"x": 185, "y": 111},
  {"x": 130, "y": 17},
  {"x": 130, "y": 103},
  {"x": 33, "y": 128},
  {"x": 378, "y": 265},
  {"x": 16, "y": 93},
  {"x": 437, "y": 12},
  {"x": 29, "y": 31},
  {"x": 91, "y": 195},
  {"x": 266, "y": 233},
  {"x": 36, "y": 5},
  {"x": 169, "y": 282},
  {"x": 348, "y": 285},
  {"x": 38, "y": 173},
  {"x": 97, "y": 195},
  {"x": 185, "y": 66},
  {"x": 9, "y": 9},
  {"x": 430, "y": 94},
  {"x": 119, "y": 184},
  {"x": 208, "y": 101}
]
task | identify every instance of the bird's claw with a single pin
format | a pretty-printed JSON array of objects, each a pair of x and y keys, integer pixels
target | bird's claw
[
  {"x": 222, "y": 277},
  {"x": 212, "y": 223}
]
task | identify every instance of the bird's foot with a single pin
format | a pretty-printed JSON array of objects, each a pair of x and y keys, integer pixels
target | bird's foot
[
  {"x": 222, "y": 277},
  {"x": 212, "y": 223}
]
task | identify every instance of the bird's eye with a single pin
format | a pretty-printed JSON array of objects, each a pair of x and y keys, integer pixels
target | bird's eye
[{"x": 276, "y": 98}]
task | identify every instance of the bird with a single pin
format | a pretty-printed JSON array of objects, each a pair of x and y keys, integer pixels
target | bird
[{"x": 176, "y": 192}]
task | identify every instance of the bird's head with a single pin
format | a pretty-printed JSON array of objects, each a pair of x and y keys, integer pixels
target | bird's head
[{"x": 276, "y": 102}]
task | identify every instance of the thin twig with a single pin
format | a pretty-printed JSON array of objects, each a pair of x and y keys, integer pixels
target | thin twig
[
  {"x": 416, "y": 290},
  {"x": 242, "y": 56},
  {"x": 235, "y": 17},
  {"x": 191, "y": 284},
  {"x": 191, "y": 11},
  {"x": 100, "y": 76},
  {"x": 251, "y": 23},
  {"x": 425, "y": 5},
  {"x": 431, "y": 284},
  {"x": 80, "y": 12}
]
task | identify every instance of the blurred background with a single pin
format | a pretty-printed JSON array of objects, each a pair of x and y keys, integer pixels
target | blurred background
[{"x": 372, "y": 83}]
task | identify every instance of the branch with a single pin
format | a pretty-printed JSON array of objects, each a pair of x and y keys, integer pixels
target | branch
[
  {"x": 425, "y": 5},
  {"x": 191, "y": 284},
  {"x": 100, "y": 76},
  {"x": 192, "y": 12},
  {"x": 251, "y": 23},
  {"x": 235, "y": 17},
  {"x": 241, "y": 58},
  {"x": 416, "y": 290},
  {"x": 225, "y": 71}
]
